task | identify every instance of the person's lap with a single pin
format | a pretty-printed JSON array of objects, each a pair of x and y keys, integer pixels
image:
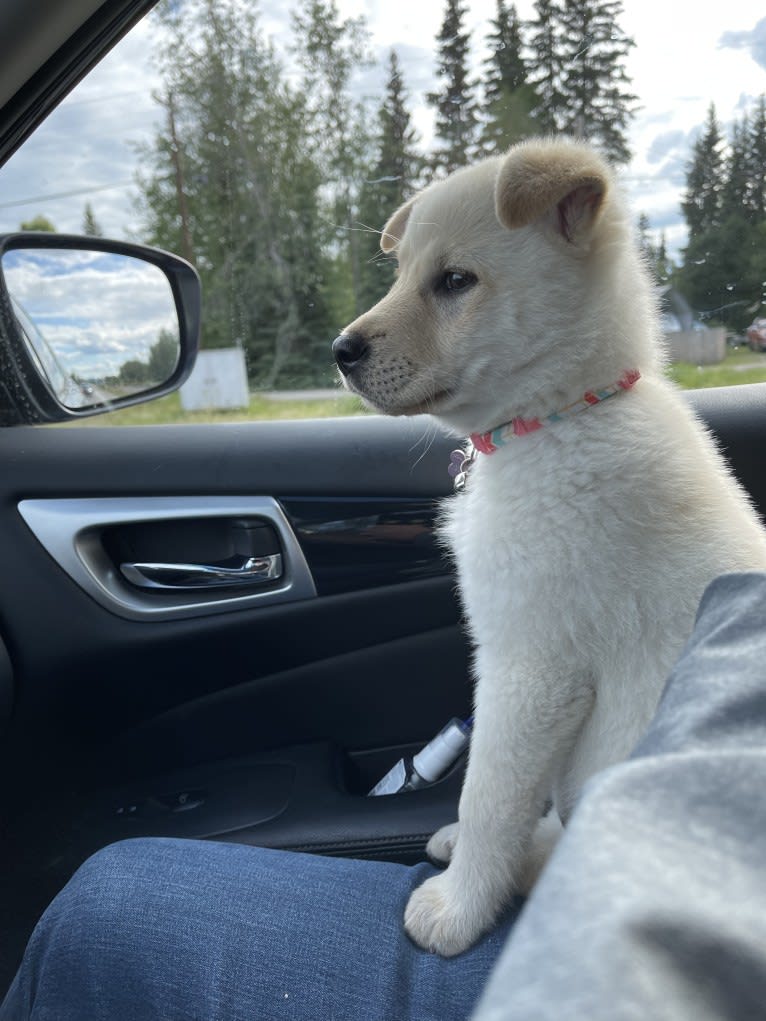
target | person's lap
[
  {"x": 172, "y": 929},
  {"x": 653, "y": 904}
]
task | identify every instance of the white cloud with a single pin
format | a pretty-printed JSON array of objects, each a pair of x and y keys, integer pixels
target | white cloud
[
  {"x": 94, "y": 310},
  {"x": 754, "y": 41},
  {"x": 687, "y": 54},
  {"x": 87, "y": 146},
  {"x": 664, "y": 143}
]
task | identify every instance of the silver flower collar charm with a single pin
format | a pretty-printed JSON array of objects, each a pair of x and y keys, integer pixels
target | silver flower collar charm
[{"x": 460, "y": 462}]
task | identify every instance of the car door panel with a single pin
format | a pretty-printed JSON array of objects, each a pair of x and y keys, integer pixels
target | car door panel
[
  {"x": 271, "y": 721},
  {"x": 377, "y": 666},
  {"x": 111, "y": 710},
  {"x": 399, "y": 587}
]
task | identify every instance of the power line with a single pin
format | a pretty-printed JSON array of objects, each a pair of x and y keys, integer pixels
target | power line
[
  {"x": 35, "y": 199},
  {"x": 102, "y": 98}
]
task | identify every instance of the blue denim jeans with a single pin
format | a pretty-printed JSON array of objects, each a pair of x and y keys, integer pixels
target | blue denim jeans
[{"x": 170, "y": 929}]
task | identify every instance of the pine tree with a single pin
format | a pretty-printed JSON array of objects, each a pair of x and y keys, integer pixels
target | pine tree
[
  {"x": 663, "y": 264},
  {"x": 331, "y": 52},
  {"x": 595, "y": 102},
  {"x": 507, "y": 68},
  {"x": 577, "y": 68},
  {"x": 545, "y": 65},
  {"x": 756, "y": 162},
  {"x": 90, "y": 225},
  {"x": 655, "y": 255},
  {"x": 642, "y": 238},
  {"x": 508, "y": 98},
  {"x": 393, "y": 178},
  {"x": 455, "y": 103},
  {"x": 743, "y": 215},
  {"x": 398, "y": 158},
  {"x": 163, "y": 357},
  {"x": 704, "y": 176},
  {"x": 736, "y": 186},
  {"x": 718, "y": 275},
  {"x": 752, "y": 246}
]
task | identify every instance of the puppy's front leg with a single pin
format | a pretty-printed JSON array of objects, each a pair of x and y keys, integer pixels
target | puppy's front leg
[{"x": 523, "y": 730}]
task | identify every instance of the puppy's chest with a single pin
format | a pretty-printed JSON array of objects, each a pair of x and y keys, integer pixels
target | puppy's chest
[{"x": 518, "y": 512}]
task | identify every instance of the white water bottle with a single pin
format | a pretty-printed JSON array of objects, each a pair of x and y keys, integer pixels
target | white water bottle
[{"x": 430, "y": 763}]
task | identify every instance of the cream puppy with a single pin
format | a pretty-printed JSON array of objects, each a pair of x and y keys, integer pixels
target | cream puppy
[{"x": 583, "y": 542}]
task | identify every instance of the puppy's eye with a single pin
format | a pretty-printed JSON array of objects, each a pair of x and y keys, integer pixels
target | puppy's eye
[{"x": 456, "y": 280}]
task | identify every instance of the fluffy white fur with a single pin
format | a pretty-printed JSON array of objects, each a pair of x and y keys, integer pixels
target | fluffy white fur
[{"x": 582, "y": 549}]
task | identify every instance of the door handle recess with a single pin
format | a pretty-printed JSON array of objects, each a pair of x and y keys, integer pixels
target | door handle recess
[
  {"x": 71, "y": 531},
  {"x": 250, "y": 571}
]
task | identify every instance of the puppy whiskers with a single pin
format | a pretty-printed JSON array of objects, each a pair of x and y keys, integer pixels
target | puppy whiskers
[{"x": 429, "y": 441}]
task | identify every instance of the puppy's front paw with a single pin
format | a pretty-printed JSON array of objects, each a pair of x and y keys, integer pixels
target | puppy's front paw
[
  {"x": 441, "y": 845},
  {"x": 438, "y": 920}
]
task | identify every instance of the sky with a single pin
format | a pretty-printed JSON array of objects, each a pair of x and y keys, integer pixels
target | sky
[
  {"x": 687, "y": 55},
  {"x": 95, "y": 310}
]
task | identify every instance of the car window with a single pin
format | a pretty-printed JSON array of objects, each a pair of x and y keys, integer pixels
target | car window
[{"x": 268, "y": 145}]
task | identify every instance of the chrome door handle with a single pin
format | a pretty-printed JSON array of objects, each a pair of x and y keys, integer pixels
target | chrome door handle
[{"x": 250, "y": 571}]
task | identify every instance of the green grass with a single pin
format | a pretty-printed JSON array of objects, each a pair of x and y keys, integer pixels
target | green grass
[
  {"x": 168, "y": 411},
  {"x": 739, "y": 366}
]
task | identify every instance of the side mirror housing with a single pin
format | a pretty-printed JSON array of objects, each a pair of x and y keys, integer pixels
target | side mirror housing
[{"x": 88, "y": 325}]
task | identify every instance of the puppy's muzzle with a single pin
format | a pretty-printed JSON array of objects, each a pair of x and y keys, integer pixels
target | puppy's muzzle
[{"x": 350, "y": 350}]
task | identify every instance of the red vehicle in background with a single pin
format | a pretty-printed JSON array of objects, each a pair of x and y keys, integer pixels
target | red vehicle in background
[{"x": 756, "y": 335}]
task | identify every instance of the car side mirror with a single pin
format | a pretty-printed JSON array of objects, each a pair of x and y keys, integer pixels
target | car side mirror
[{"x": 88, "y": 325}]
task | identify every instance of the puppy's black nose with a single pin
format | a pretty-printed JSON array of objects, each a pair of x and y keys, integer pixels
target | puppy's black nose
[{"x": 349, "y": 350}]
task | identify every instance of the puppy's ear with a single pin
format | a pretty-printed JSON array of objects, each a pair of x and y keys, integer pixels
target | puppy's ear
[
  {"x": 559, "y": 183},
  {"x": 394, "y": 229}
]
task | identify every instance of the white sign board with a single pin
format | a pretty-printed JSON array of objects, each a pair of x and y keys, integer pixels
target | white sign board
[{"x": 218, "y": 380}]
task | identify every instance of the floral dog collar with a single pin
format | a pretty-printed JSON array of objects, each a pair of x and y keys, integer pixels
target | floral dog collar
[{"x": 489, "y": 442}]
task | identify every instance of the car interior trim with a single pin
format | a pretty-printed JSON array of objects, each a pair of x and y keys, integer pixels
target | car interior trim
[
  {"x": 74, "y": 42},
  {"x": 71, "y": 532},
  {"x": 355, "y": 543}
]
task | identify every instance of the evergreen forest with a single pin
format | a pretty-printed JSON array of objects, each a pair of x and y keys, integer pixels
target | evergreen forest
[{"x": 273, "y": 172}]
